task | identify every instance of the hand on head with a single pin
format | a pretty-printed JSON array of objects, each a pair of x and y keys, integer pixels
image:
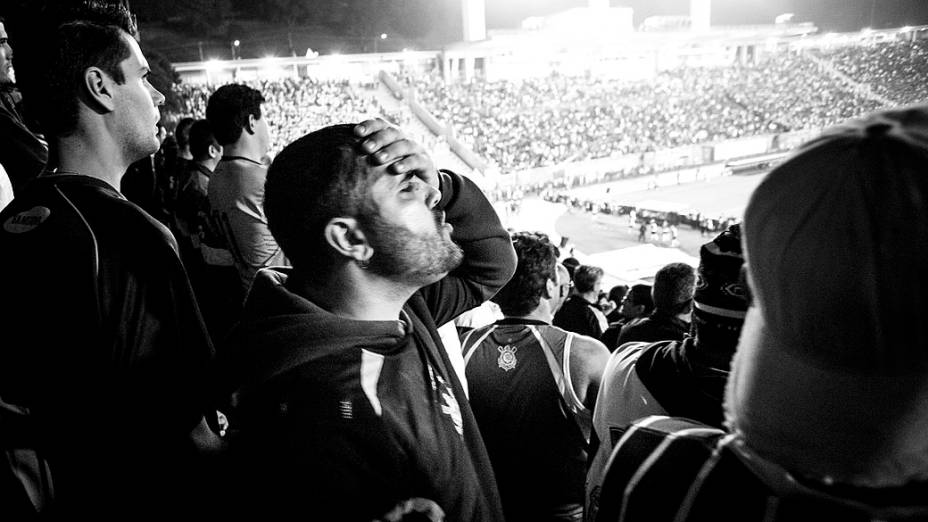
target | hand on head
[{"x": 387, "y": 145}]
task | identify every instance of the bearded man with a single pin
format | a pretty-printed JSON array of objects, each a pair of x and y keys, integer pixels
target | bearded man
[{"x": 344, "y": 403}]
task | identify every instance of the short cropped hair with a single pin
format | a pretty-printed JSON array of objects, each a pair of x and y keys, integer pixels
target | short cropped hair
[
  {"x": 640, "y": 294},
  {"x": 200, "y": 135},
  {"x": 673, "y": 289},
  {"x": 228, "y": 109},
  {"x": 56, "y": 43},
  {"x": 74, "y": 47},
  {"x": 586, "y": 277},
  {"x": 182, "y": 131},
  {"x": 617, "y": 293},
  {"x": 537, "y": 259},
  {"x": 321, "y": 176}
]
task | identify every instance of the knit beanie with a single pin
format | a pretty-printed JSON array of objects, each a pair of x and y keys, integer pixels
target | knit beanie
[
  {"x": 830, "y": 379},
  {"x": 720, "y": 301}
]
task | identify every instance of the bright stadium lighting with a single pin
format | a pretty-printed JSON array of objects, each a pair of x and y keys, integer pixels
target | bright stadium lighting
[
  {"x": 213, "y": 64},
  {"x": 237, "y": 43},
  {"x": 383, "y": 36}
]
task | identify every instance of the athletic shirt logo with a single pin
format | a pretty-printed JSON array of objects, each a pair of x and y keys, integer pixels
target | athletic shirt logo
[
  {"x": 27, "y": 220},
  {"x": 507, "y": 357}
]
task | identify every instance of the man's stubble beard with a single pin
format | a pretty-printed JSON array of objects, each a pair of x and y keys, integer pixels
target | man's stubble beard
[{"x": 399, "y": 253}]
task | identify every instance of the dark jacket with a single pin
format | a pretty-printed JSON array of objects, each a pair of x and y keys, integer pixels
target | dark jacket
[
  {"x": 104, "y": 344},
  {"x": 655, "y": 327},
  {"x": 345, "y": 418},
  {"x": 576, "y": 315}
]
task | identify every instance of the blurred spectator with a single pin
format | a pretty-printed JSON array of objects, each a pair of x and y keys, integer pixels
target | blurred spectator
[
  {"x": 680, "y": 378},
  {"x": 616, "y": 295},
  {"x": 23, "y": 154},
  {"x": 636, "y": 303},
  {"x": 826, "y": 405},
  {"x": 672, "y": 294},
  {"x": 580, "y": 313}
]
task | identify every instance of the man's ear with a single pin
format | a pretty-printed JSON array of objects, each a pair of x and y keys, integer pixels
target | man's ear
[
  {"x": 98, "y": 87},
  {"x": 550, "y": 289},
  {"x": 251, "y": 124},
  {"x": 347, "y": 239},
  {"x": 215, "y": 150}
]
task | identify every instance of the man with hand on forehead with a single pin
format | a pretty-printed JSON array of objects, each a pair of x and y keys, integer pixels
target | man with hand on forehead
[{"x": 344, "y": 401}]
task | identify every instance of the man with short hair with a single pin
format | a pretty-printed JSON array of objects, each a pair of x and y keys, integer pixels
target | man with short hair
[
  {"x": 672, "y": 294},
  {"x": 580, "y": 313},
  {"x": 22, "y": 155},
  {"x": 344, "y": 401},
  {"x": 636, "y": 303},
  {"x": 236, "y": 189},
  {"x": 192, "y": 201},
  {"x": 533, "y": 387},
  {"x": 104, "y": 362},
  {"x": 827, "y": 402}
]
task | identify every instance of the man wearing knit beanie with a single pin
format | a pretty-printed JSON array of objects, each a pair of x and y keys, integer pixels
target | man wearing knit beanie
[
  {"x": 680, "y": 378},
  {"x": 827, "y": 402}
]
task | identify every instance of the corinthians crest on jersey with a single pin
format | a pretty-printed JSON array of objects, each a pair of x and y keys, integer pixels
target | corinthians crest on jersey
[{"x": 507, "y": 357}]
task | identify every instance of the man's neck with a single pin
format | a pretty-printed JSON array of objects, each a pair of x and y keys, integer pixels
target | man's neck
[
  {"x": 355, "y": 294},
  {"x": 88, "y": 155},
  {"x": 589, "y": 297},
  {"x": 541, "y": 313},
  {"x": 244, "y": 148},
  {"x": 208, "y": 164}
]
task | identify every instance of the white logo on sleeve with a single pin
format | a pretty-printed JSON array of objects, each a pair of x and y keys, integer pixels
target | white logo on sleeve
[{"x": 26, "y": 220}]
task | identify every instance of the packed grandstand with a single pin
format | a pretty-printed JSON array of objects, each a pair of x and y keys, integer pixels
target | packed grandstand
[
  {"x": 543, "y": 121},
  {"x": 548, "y": 121}
]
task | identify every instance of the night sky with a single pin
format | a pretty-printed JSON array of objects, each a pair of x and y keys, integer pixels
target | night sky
[{"x": 828, "y": 15}]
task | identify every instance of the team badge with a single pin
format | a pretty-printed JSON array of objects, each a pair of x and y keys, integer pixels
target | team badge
[
  {"x": 26, "y": 220},
  {"x": 507, "y": 357}
]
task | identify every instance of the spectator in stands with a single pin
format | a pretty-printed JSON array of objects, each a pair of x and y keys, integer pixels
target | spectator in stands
[
  {"x": 637, "y": 303},
  {"x": 616, "y": 296},
  {"x": 680, "y": 378},
  {"x": 192, "y": 208},
  {"x": 533, "y": 388},
  {"x": 672, "y": 294},
  {"x": 344, "y": 398},
  {"x": 571, "y": 264},
  {"x": 104, "y": 361},
  {"x": 826, "y": 405},
  {"x": 580, "y": 313},
  {"x": 176, "y": 163},
  {"x": 236, "y": 189},
  {"x": 23, "y": 154}
]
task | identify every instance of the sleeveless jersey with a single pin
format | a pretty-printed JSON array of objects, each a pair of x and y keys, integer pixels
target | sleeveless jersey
[{"x": 534, "y": 425}]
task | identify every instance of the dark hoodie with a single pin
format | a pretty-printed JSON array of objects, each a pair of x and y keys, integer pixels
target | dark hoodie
[{"x": 341, "y": 419}]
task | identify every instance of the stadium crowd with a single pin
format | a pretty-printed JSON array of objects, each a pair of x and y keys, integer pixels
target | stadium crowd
[
  {"x": 300, "y": 336},
  {"x": 297, "y": 106},
  {"x": 895, "y": 70},
  {"x": 540, "y": 122}
]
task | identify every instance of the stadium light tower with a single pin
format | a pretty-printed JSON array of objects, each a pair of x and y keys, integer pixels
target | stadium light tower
[
  {"x": 700, "y": 14},
  {"x": 474, "y": 16}
]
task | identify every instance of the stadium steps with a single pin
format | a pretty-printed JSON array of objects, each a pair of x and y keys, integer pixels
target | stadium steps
[
  {"x": 856, "y": 86},
  {"x": 441, "y": 154}
]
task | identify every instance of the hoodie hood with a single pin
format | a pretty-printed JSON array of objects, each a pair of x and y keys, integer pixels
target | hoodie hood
[{"x": 280, "y": 330}]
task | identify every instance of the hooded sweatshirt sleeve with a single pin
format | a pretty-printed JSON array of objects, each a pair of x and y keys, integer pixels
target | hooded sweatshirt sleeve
[{"x": 489, "y": 259}]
